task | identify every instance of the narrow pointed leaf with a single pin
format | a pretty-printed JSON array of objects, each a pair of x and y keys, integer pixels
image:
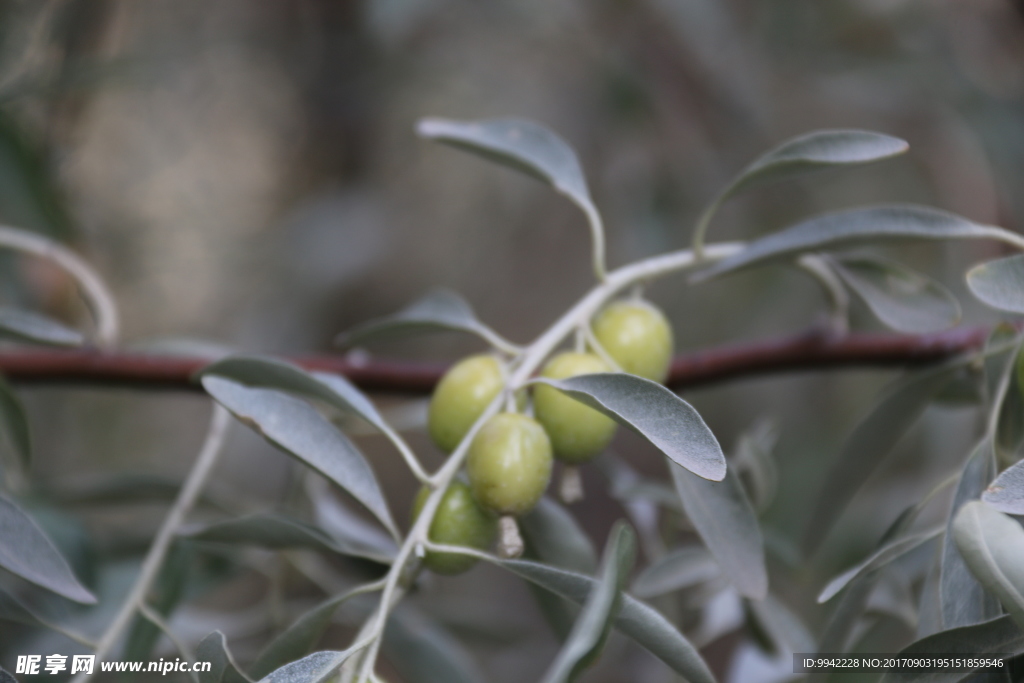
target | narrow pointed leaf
[
  {"x": 856, "y": 226},
  {"x": 635, "y": 619},
  {"x": 901, "y": 404},
  {"x": 598, "y": 611},
  {"x": 315, "y": 668},
  {"x": 523, "y": 145},
  {"x": 839, "y": 628},
  {"x": 996, "y": 636},
  {"x": 962, "y": 599},
  {"x": 15, "y": 422},
  {"x": 38, "y": 329},
  {"x": 214, "y": 649},
  {"x": 818, "y": 150},
  {"x": 880, "y": 558},
  {"x": 681, "y": 568},
  {"x": 423, "y": 652},
  {"x": 992, "y": 544},
  {"x": 352, "y": 533},
  {"x": 903, "y": 299},
  {"x": 270, "y": 373},
  {"x": 723, "y": 516},
  {"x": 787, "y": 632},
  {"x": 438, "y": 311},
  {"x": 279, "y": 531},
  {"x": 298, "y": 639},
  {"x": 999, "y": 283},
  {"x": 653, "y": 412},
  {"x": 299, "y": 430},
  {"x": 553, "y": 535},
  {"x": 1006, "y": 493},
  {"x": 26, "y": 551}
]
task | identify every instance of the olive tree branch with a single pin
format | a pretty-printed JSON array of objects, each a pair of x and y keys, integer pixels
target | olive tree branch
[
  {"x": 813, "y": 349},
  {"x": 193, "y": 486}
]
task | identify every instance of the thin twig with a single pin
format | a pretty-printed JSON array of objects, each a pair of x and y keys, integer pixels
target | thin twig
[{"x": 190, "y": 491}]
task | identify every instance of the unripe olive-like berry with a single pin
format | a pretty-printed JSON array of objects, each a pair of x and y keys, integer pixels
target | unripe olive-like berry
[
  {"x": 461, "y": 397},
  {"x": 509, "y": 464},
  {"x": 577, "y": 432},
  {"x": 458, "y": 521},
  {"x": 637, "y": 336}
]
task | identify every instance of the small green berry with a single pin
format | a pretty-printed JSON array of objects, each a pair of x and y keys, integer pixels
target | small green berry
[
  {"x": 637, "y": 336},
  {"x": 461, "y": 397},
  {"x": 458, "y": 521},
  {"x": 509, "y": 464},
  {"x": 577, "y": 432}
]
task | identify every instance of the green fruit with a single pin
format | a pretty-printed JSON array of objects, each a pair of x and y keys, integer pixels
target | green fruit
[
  {"x": 577, "y": 432},
  {"x": 461, "y": 397},
  {"x": 458, "y": 521},
  {"x": 637, "y": 336},
  {"x": 509, "y": 464}
]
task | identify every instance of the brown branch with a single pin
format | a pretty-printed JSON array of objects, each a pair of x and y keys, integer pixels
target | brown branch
[{"x": 813, "y": 350}]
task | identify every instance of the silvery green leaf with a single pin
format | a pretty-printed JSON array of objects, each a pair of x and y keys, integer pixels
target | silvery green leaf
[
  {"x": 999, "y": 283},
  {"x": 635, "y": 619},
  {"x": 523, "y": 145},
  {"x": 299, "y": 430},
  {"x": 438, "y": 311},
  {"x": 26, "y": 551},
  {"x": 996, "y": 636},
  {"x": 279, "y": 531},
  {"x": 36, "y": 328},
  {"x": 723, "y": 516},
  {"x": 903, "y": 299},
  {"x": 756, "y": 464},
  {"x": 992, "y": 544},
  {"x": 814, "y": 151},
  {"x": 785, "y": 629},
  {"x": 351, "y": 532},
  {"x": 315, "y": 668},
  {"x": 214, "y": 649},
  {"x": 554, "y": 536},
  {"x": 962, "y": 599},
  {"x": 880, "y": 558},
  {"x": 271, "y": 373},
  {"x": 591, "y": 627},
  {"x": 855, "y": 226},
  {"x": 836, "y": 635},
  {"x": 423, "y": 652},
  {"x": 681, "y": 568},
  {"x": 1010, "y": 422},
  {"x": 626, "y": 485},
  {"x": 300, "y": 637},
  {"x": 874, "y": 437},
  {"x": 653, "y": 412},
  {"x": 15, "y": 422},
  {"x": 1006, "y": 493}
]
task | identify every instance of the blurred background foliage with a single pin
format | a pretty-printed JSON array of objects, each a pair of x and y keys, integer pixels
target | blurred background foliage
[{"x": 247, "y": 172}]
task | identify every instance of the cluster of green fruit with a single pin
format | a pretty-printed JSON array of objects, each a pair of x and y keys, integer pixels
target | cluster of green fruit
[{"x": 511, "y": 456}]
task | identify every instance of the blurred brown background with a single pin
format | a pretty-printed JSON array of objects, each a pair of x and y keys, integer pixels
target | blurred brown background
[{"x": 247, "y": 172}]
